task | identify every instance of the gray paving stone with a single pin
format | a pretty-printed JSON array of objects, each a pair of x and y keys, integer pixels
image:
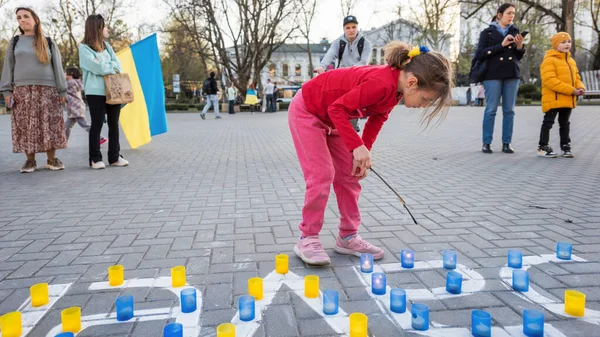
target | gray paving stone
[{"x": 223, "y": 206}]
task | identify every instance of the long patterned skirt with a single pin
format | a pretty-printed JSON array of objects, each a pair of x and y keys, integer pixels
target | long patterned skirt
[{"x": 37, "y": 120}]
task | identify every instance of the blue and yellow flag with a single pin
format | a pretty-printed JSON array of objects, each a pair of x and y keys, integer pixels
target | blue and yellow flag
[{"x": 146, "y": 115}]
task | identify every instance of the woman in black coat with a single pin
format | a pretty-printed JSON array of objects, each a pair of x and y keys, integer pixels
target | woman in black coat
[{"x": 501, "y": 46}]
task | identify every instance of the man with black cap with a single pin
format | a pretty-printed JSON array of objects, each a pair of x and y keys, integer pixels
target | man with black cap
[{"x": 351, "y": 49}]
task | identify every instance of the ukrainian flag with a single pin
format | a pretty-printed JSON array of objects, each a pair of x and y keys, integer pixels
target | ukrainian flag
[{"x": 146, "y": 115}]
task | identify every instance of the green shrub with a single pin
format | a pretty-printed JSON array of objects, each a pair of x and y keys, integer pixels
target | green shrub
[
  {"x": 178, "y": 107},
  {"x": 530, "y": 91},
  {"x": 284, "y": 105}
]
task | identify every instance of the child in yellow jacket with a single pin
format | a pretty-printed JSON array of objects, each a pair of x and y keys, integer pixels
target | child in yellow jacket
[{"x": 561, "y": 84}]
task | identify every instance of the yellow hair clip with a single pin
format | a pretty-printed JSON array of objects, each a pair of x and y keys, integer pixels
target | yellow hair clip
[{"x": 416, "y": 51}]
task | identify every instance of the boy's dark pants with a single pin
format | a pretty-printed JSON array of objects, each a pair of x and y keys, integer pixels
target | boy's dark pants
[{"x": 563, "y": 122}]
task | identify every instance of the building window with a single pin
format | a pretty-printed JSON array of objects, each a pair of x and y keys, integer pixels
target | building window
[
  {"x": 272, "y": 70},
  {"x": 298, "y": 70},
  {"x": 285, "y": 69},
  {"x": 374, "y": 56}
]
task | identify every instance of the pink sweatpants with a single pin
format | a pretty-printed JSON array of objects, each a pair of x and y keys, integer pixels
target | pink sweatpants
[{"x": 325, "y": 160}]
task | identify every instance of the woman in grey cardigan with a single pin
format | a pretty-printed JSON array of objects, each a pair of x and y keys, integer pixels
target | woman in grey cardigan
[{"x": 34, "y": 85}]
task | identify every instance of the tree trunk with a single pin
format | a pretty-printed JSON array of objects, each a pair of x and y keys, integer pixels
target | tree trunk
[
  {"x": 310, "y": 61},
  {"x": 596, "y": 64},
  {"x": 568, "y": 20}
]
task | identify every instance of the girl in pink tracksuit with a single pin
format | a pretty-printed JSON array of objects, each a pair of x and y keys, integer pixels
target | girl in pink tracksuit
[{"x": 331, "y": 152}]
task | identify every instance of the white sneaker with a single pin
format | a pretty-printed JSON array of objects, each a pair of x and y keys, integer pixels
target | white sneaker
[
  {"x": 121, "y": 162},
  {"x": 98, "y": 166}
]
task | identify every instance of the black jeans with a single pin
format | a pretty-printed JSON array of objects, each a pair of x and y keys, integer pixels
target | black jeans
[
  {"x": 231, "y": 102},
  {"x": 99, "y": 109},
  {"x": 563, "y": 122}
]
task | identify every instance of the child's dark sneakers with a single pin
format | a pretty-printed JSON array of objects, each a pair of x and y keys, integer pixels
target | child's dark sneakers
[
  {"x": 546, "y": 152},
  {"x": 567, "y": 151}
]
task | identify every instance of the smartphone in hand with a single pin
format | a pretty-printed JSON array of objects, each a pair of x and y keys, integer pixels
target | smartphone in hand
[
  {"x": 11, "y": 103},
  {"x": 525, "y": 33}
]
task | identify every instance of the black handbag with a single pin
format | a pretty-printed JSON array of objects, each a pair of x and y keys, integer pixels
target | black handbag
[
  {"x": 478, "y": 70},
  {"x": 479, "y": 67}
]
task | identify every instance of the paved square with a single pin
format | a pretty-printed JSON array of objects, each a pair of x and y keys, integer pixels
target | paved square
[{"x": 223, "y": 197}]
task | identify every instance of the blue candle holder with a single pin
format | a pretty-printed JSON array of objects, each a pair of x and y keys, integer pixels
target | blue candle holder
[
  {"x": 124, "y": 308},
  {"x": 65, "y": 334},
  {"x": 515, "y": 258},
  {"x": 449, "y": 258},
  {"x": 533, "y": 323},
  {"x": 407, "y": 258},
  {"x": 420, "y": 316},
  {"x": 378, "y": 283},
  {"x": 481, "y": 323},
  {"x": 173, "y": 330},
  {"x": 564, "y": 250},
  {"x": 188, "y": 300},
  {"x": 366, "y": 263},
  {"x": 454, "y": 282},
  {"x": 398, "y": 300},
  {"x": 330, "y": 302},
  {"x": 520, "y": 280},
  {"x": 247, "y": 308}
]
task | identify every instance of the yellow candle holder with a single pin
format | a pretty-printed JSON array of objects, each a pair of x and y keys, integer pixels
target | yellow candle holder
[
  {"x": 116, "y": 276},
  {"x": 178, "y": 276},
  {"x": 39, "y": 294},
  {"x": 311, "y": 286},
  {"x": 71, "y": 319},
  {"x": 281, "y": 264},
  {"x": 255, "y": 288},
  {"x": 11, "y": 324},
  {"x": 226, "y": 330},
  {"x": 574, "y": 303},
  {"x": 359, "y": 325}
]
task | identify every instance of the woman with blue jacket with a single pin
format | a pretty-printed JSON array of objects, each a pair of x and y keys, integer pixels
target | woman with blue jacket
[
  {"x": 97, "y": 59},
  {"x": 501, "y": 45}
]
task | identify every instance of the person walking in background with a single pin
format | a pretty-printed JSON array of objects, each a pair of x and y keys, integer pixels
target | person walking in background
[
  {"x": 469, "y": 96},
  {"x": 561, "y": 84},
  {"x": 251, "y": 98},
  {"x": 211, "y": 90},
  {"x": 97, "y": 59},
  {"x": 34, "y": 86},
  {"x": 332, "y": 153},
  {"x": 75, "y": 104},
  {"x": 481, "y": 96},
  {"x": 231, "y": 98},
  {"x": 269, "y": 87},
  {"x": 351, "y": 49},
  {"x": 501, "y": 44}
]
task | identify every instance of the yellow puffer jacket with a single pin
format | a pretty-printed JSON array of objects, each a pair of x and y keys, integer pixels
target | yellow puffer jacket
[{"x": 560, "y": 78}]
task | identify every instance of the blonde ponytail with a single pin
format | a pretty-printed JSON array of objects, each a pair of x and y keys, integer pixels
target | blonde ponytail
[{"x": 396, "y": 54}]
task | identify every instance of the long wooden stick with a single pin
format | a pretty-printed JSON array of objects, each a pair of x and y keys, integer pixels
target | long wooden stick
[{"x": 398, "y": 195}]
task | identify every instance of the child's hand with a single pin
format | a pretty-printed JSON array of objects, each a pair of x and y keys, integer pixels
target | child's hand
[
  {"x": 581, "y": 91},
  {"x": 362, "y": 162}
]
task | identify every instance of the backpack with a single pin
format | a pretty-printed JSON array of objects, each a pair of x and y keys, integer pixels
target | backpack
[
  {"x": 479, "y": 67},
  {"x": 206, "y": 86},
  {"x": 361, "y": 46},
  {"x": 16, "y": 39}
]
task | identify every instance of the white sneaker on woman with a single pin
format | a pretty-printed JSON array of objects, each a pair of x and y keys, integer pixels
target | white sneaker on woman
[
  {"x": 120, "y": 162},
  {"x": 98, "y": 166}
]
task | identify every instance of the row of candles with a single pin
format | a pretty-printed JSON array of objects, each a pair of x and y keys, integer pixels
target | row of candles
[
  {"x": 11, "y": 326},
  {"x": 11, "y": 323}
]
